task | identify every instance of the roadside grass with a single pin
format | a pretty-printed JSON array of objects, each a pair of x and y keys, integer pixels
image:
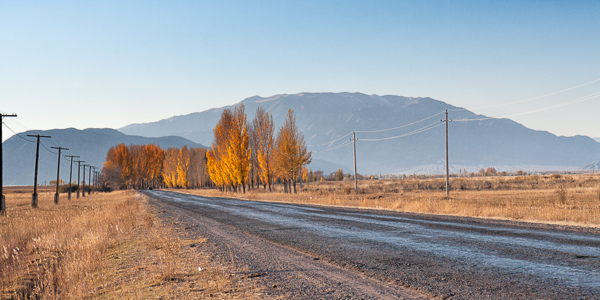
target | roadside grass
[
  {"x": 557, "y": 199},
  {"x": 104, "y": 246}
]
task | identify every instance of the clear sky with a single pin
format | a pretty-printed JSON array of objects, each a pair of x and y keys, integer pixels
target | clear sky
[{"x": 112, "y": 63}]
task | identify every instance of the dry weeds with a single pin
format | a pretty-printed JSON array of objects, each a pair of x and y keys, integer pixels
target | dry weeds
[
  {"x": 160, "y": 260},
  {"x": 103, "y": 246},
  {"x": 558, "y": 199},
  {"x": 48, "y": 251}
]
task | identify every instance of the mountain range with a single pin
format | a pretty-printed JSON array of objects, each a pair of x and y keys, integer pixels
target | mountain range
[
  {"x": 395, "y": 135},
  {"x": 328, "y": 119},
  {"x": 90, "y": 144}
]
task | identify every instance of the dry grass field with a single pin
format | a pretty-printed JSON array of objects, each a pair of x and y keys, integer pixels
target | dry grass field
[
  {"x": 104, "y": 246},
  {"x": 558, "y": 199}
]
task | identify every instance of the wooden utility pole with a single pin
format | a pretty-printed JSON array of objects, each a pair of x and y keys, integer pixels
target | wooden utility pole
[
  {"x": 93, "y": 180},
  {"x": 447, "y": 165},
  {"x": 71, "y": 173},
  {"x": 96, "y": 178},
  {"x": 2, "y": 200},
  {"x": 78, "y": 169},
  {"x": 83, "y": 182},
  {"x": 58, "y": 172},
  {"x": 34, "y": 196},
  {"x": 90, "y": 180},
  {"x": 355, "y": 175}
]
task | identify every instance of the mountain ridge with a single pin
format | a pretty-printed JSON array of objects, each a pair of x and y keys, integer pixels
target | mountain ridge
[
  {"x": 90, "y": 144},
  {"x": 326, "y": 119}
]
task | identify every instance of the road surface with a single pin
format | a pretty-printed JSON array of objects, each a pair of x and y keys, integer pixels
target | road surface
[{"x": 307, "y": 252}]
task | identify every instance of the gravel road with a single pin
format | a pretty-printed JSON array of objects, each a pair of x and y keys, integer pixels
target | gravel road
[{"x": 308, "y": 252}]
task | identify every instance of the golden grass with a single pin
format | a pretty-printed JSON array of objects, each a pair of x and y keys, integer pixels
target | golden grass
[
  {"x": 103, "y": 246},
  {"x": 47, "y": 252},
  {"x": 162, "y": 261},
  {"x": 558, "y": 199}
]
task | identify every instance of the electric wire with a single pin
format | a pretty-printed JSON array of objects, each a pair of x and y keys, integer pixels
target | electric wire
[
  {"x": 48, "y": 149},
  {"x": 530, "y": 99},
  {"x": 329, "y": 143},
  {"x": 17, "y": 133},
  {"x": 566, "y": 103},
  {"x": 336, "y": 147},
  {"x": 370, "y": 131},
  {"x": 420, "y": 130}
]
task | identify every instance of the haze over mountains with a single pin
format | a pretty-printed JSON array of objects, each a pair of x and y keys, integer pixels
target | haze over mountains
[
  {"x": 327, "y": 119},
  {"x": 91, "y": 144}
]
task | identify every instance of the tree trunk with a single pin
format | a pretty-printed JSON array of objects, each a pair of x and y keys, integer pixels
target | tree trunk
[{"x": 294, "y": 182}]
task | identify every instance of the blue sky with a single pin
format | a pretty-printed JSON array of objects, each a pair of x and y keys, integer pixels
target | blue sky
[{"x": 111, "y": 63}]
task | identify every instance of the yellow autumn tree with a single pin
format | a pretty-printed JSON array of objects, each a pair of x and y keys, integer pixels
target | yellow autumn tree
[
  {"x": 264, "y": 135},
  {"x": 170, "y": 167},
  {"x": 183, "y": 163},
  {"x": 217, "y": 156},
  {"x": 291, "y": 153},
  {"x": 238, "y": 151}
]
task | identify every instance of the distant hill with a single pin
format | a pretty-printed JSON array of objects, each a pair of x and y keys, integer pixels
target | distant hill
[
  {"x": 592, "y": 166},
  {"x": 90, "y": 144},
  {"x": 597, "y": 139},
  {"x": 327, "y": 119}
]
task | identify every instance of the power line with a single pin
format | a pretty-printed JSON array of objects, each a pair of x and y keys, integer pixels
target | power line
[
  {"x": 47, "y": 148},
  {"x": 369, "y": 131},
  {"x": 530, "y": 99},
  {"x": 581, "y": 99},
  {"x": 336, "y": 147},
  {"x": 329, "y": 143},
  {"x": 17, "y": 134},
  {"x": 422, "y": 129}
]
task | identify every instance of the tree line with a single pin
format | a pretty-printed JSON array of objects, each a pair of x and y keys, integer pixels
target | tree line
[
  {"x": 246, "y": 155},
  {"x": 143, "y": 166},
  {"x": 243, "y": 155}
]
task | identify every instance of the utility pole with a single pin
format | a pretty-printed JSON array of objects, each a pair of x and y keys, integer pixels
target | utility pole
[
  {"x": 83, "y": 182},
  {"x": 355, "y": 175},
  {"x": 100, "y": 180},
  {"x": 71, "y": 173},
  {"x": 95, "y": 180},
  {"x": 34, "y": 197},
  {"x": 90, "y": 179},
  {"x": 2, "y": 200},
  {"x": 78, "y": 169},
  {"x": 58, "y": 172},
  {"x": 447, "y": 165}
]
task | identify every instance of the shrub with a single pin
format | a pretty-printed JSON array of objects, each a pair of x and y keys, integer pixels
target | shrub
[{"x": 65, "y": 188}]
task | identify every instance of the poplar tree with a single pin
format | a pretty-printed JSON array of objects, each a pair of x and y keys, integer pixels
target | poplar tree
[
  {"x": 291, "y": 152},
  {"x": 239, "y": 152},
  {"x": 264, "y": 130}
]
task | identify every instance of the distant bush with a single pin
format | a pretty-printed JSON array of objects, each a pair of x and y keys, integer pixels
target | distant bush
[
  {"x": 65, "y": 188},
  {"x": 561, "y": 195}
]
